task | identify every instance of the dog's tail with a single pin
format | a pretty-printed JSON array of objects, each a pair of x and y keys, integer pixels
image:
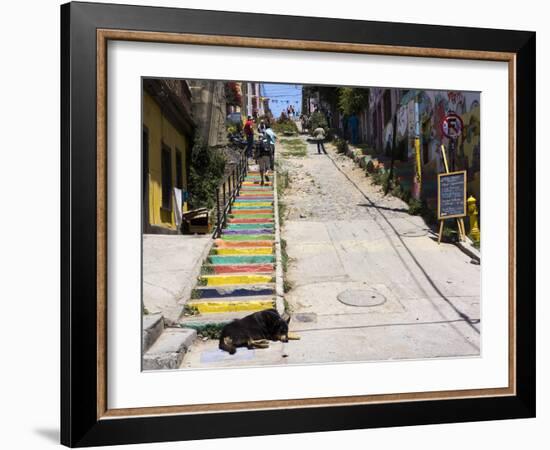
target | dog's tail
[{"x": 226, "y": 343}]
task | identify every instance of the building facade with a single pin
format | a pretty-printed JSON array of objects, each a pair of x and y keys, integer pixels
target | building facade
[
  {"x": 253, "y": 104},
  {"x": 168, "y": 130},
  {"x": 209, "y": 110}
]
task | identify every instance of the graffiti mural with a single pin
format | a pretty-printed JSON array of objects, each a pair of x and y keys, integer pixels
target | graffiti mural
[{"x": 402, "y": 123}]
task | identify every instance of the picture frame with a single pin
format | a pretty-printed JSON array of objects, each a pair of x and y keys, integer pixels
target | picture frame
[{"x": 86, "y": 419}]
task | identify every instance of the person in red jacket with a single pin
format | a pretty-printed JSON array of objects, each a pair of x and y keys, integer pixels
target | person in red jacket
[{"x": 249, "y": 133}]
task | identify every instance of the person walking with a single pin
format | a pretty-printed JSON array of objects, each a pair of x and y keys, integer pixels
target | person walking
[
  {"x": 249, "y": 133},
  {"x": 263, "y": 152},
  {"x": 319, "y": 136},
  {"x": 271, "y": 137},
  {"x": 262, "y": 127}
]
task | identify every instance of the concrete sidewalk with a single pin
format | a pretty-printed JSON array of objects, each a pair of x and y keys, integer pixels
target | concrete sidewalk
[
  {"x": 369, "y": 281},
  {"x": 171, "y": 265}
]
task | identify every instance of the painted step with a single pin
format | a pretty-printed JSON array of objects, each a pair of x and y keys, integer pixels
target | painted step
[
  {"x": 243, "y": 251},
  {"x": 233, "y": 304},
  {"x": 250, "y": 220},
  {"x": 239, "y": 268},
  {"x": 245, "y": 212},
  {"x": 248, "y": 226},
  {"x": 255, "y": 230},
  {"x": 253, "y": 197},
  {"x": 240, "y": 259},
  {"x": 237, "y": 278},
  {"x": 250, "y": 244},
  {"x": 255, "y": 187},
  {"x": 220, "y": 292},
  {"x": 251, "y": 216},
  {"x": 252, "y": 205},
  {"x": 248, "y": 237}
]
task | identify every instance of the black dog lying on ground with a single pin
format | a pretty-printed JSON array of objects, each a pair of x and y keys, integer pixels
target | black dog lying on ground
[{"x": 255, "y": 331}]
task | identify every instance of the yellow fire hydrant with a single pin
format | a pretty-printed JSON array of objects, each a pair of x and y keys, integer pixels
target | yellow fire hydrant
[{"x": 472, "y": 213}]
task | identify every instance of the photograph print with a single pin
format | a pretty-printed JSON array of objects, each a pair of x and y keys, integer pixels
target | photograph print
[{"x": 290, "y": 224}]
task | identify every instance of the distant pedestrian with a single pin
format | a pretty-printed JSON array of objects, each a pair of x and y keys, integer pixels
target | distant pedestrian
[
  {"x": 271, "y": 137},
  {"x": 263, "y": 156},
  {"x": 249, "y": 133},
  {"x": 262, "y": 127},
  {"x": 319, "y": 136},
  {"x": 303, "y": 121}
]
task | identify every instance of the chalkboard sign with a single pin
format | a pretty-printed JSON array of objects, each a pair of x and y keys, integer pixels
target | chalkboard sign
[{"x": 451, "y": 195}]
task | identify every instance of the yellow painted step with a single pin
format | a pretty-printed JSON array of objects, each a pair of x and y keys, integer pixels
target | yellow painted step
[
  {"x": 245, "y": 251},
  {"x": 223, "y": 280},
  {"x": 221, "y": 306}
]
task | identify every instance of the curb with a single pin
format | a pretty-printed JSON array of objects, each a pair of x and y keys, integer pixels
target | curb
[
  {"x": 279, "y": 289},
  {"x": 469, "y": 249}
]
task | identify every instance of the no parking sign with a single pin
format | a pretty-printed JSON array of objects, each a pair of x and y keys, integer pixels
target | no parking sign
[{"x": 452, "y": 126}]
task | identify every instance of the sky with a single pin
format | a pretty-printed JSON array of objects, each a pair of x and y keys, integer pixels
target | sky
[{"x": 282, "y": 95}]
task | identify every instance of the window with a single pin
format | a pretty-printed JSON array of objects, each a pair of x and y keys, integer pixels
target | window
[
  {"x": 166, "y": 174},
  {"x": 179, "y": 169}
]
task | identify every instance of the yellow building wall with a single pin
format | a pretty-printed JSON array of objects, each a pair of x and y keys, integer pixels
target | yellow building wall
[{"x": 161, "y": 131}]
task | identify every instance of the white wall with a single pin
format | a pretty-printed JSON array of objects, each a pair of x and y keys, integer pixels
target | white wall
[{"x": 29, "y": 241}]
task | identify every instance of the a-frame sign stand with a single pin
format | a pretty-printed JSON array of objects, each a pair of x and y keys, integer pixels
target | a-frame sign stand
[{"x": 459, "y": 221}]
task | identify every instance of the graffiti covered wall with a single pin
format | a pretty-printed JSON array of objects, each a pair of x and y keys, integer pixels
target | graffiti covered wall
[{"x": 428, "y": 109}]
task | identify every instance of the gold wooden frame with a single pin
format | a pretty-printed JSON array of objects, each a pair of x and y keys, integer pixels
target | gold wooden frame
[{"x": 104, "y": 35}]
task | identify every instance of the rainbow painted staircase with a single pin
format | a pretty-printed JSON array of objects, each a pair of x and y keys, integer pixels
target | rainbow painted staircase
[{"x": 239, "y": 275}]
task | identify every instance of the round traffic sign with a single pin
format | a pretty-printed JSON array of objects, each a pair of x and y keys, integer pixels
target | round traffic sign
[{"x": 452, "y": 125}]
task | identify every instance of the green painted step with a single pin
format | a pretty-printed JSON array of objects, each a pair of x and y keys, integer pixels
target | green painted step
[
  {"x": 251, "y": 216},
  {"x": 240, "y": 259},
  {"x": 249, "y": 226}
]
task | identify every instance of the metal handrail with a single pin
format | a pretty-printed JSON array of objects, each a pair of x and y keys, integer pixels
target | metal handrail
[{"x": 230, "y": 189}]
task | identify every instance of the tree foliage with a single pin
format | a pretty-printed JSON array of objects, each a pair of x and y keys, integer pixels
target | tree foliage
[
  {"x": 352, "y": 100},
  {"x": 317, "y": 120},
  {"x": 205, "y": 175},
  {"x": 232, "y": 94}
]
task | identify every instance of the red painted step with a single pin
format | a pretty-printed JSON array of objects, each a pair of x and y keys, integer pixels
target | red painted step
[
  {"x": 239, "y": 220},
  {"x": 239, "y": 212},
  {"x": 243, "y": 268}
]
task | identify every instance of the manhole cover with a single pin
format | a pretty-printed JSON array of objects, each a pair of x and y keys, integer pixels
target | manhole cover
[{"x": 361, "y": 297}]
